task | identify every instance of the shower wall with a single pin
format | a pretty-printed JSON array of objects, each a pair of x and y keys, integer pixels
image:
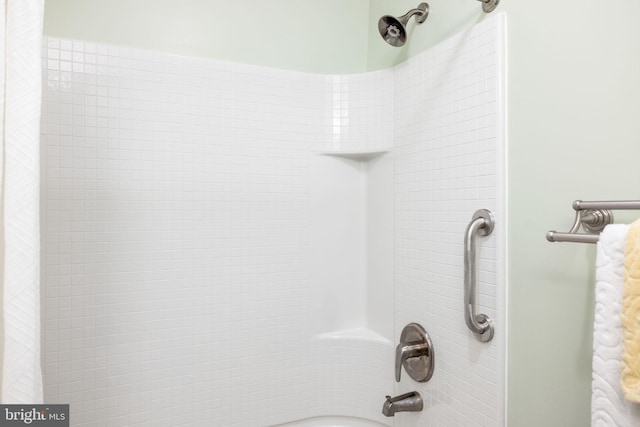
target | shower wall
[
  {"x": 450, "y": 161},
  {"x": 177, "y": 212},
  {"x": 219, "y": 238}
]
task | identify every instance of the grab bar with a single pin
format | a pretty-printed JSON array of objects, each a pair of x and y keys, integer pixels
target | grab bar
[{"x": 481, "y": 224}]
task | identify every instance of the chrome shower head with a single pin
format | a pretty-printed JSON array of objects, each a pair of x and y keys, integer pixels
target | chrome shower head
[{"x": 394, "y": 30}]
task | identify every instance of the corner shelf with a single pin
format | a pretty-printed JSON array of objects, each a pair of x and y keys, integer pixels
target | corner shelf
[
  {"x": 356, "y": 155},
  {"x": 364, "y": 334}
]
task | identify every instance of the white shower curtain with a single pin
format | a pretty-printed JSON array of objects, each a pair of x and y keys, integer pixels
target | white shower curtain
[{"x": 20, "y": 98}]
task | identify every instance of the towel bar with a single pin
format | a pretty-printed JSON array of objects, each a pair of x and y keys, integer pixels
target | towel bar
[{"x": 593, "y": 217}]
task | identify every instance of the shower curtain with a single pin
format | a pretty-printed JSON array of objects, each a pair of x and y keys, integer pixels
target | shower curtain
[{"x": 21, "y": 24}]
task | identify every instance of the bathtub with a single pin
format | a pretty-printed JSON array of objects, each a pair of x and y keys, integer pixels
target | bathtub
[{"x": 333, "y": 422}]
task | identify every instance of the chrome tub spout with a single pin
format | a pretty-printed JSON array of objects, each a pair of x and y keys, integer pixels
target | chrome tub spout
[{"x": 408, "y": 402}]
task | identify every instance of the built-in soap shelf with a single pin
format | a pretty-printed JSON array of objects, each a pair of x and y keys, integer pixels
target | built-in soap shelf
[
  {"x": 360, "y": 334},
  {"x": 362, "y": 156}
]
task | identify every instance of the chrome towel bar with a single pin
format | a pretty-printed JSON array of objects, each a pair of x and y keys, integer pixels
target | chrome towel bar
[
  {"x": 593, "y": 217},
  {"x": 481, "y": 224}
]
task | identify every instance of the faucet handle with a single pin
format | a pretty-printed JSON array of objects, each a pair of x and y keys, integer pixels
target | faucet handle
[
  {"x": 415, "y": 353},
  {"x": 406, "y": 351}
]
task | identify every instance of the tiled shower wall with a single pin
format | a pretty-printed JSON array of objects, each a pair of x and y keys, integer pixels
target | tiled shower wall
[
  {"x": 176, "y": 205},
  {"x": 450, "y": 152},
  {"x": 176, "y": 238}
]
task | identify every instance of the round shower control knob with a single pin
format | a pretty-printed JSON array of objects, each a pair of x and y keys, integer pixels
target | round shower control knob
[{"x": 415, "y": 353}]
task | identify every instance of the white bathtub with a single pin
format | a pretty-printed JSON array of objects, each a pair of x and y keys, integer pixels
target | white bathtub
[{"x": 333, "y": 422}]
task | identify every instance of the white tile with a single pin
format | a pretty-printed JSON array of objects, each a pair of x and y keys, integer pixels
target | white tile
[{"x": 177, "y": 249}]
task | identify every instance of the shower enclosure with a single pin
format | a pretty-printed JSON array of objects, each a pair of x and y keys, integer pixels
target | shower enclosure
[{"x": 232, "y": 245}]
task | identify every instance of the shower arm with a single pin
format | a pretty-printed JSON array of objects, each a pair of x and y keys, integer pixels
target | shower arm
[{"x": 422, "y": 16}]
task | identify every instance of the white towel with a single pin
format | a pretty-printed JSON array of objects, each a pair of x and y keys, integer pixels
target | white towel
[{"x": 608, "y": 405}]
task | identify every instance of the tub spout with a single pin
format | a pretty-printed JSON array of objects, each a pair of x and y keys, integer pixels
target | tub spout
[{"x": 408, "y": 402}]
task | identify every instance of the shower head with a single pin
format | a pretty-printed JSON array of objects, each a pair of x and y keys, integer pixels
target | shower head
[{"x": 394, "y": 30}]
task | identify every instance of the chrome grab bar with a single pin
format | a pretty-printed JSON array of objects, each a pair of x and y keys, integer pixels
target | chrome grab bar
[{"x": 481, "y": 224}]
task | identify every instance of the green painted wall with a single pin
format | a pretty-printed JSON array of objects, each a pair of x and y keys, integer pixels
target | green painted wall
[
  {"x": 574, "y": 103},
  {"x": 328, "y": 36}
]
